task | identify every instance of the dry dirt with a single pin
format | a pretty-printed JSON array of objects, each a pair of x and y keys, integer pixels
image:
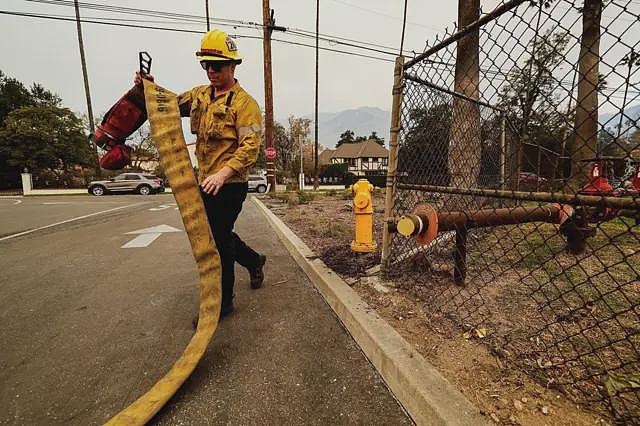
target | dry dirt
[{"x": 503, "y": 392}]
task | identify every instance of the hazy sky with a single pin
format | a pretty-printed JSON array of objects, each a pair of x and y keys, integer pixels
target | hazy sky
[{"x": 47, "y": 51}]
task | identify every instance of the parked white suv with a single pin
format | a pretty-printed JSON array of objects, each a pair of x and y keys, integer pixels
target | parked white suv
[{"x": 258, "y": 183}]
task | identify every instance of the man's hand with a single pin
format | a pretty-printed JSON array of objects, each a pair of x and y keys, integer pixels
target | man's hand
[
  {"x": 138, "y": 78},
  {"x": 212, "y": 183}
]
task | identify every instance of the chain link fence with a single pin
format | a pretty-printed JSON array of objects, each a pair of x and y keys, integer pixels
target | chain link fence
[{"x": 513, "y": 190}]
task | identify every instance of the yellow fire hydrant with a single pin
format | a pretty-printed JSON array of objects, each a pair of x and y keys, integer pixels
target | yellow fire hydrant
[{"x": 363, "y": 209}]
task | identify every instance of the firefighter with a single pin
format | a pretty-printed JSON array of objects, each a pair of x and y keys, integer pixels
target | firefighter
[{"x": 227, "y": 123}]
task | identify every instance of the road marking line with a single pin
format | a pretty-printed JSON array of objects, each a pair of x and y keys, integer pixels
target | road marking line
[
  {"x": 161, "y": 207},
  {"x": 17, "y": 202},
  {"x": 56, "y": 203},
  {"x": 66, "y": 221}
]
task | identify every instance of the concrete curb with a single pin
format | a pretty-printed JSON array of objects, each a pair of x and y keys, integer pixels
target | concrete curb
[{"x": 424, "y": 393}]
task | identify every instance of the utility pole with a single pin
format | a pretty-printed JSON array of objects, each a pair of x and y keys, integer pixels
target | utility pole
[
  {"x": 269, "y": 25},
  {"x": 86, "y": 86},
  {"x": 206, "y": 5},
  {"x": 316, "y": 182},
  {"x": 268, "y": 93}
]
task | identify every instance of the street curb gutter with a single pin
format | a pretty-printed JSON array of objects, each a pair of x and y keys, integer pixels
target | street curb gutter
[{"x": 424, "y": 393}]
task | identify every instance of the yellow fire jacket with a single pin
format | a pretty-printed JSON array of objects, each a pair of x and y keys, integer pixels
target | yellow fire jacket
[{"x": 228, "y": 129}]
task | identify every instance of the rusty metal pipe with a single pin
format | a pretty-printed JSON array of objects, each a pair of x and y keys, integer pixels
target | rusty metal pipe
[
  {"x": 549, "y": 197},
  {"x": 449, "y": 221},
  {"x": 414, "y": 224}
]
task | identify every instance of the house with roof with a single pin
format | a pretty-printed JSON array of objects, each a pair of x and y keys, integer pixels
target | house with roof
[{"x": 366, "y": 158}]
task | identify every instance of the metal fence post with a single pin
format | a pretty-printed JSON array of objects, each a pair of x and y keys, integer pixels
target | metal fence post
[
  {"x": 460, "y": 256},
  {"x": 503, "y": 147},
  {"x": 393, "y": 161}
]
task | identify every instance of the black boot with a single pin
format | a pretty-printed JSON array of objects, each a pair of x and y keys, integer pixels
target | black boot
[{"x": 256, "y": 274}]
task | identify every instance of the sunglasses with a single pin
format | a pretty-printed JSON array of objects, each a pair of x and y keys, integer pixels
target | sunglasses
[{"x": 216, "y": 65}]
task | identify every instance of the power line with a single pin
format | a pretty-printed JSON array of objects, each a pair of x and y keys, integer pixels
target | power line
[
  {"x": 91, "y": 21},
  {"x": 103, "y": 21},
  {"x": 376, "y": 12},
  {"x": 221, "y": 21},
  {"x": 144, "y": 12}
]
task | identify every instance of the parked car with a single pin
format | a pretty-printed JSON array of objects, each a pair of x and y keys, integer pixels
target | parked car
[
  {"x": 141, "y": 183},
  {"x": 532, "y": 178},
  {"x": 258, "y": 183}
]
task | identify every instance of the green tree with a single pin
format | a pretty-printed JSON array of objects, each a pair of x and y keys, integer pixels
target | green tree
[
  {"x": 532, "y": 105},
  {"x": 374, "y": 136},
  {"x": 346, "y": 137},
  {"x": 334, "y": 170},
  {"x": 424, "y": 154},
  {"x": 14, "y": 95},
  {"x": 45, "y": 138}
]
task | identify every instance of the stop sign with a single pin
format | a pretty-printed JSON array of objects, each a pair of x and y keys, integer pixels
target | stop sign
[{"x": 270, "y": 152}]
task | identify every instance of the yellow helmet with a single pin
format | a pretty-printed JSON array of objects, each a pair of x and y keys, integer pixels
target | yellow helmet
[{"x": 218, "y": 46}]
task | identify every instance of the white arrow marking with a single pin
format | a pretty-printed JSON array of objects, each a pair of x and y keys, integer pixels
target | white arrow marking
[
  {"x": 15, "y": 202},
  {"x": 141, "y": 240},
  {"x": 161, "y": 207},
  {"x": 148, "y": 235}
]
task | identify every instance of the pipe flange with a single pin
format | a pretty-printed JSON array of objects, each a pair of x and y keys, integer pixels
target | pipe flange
[{"x": 430, "y": 228}]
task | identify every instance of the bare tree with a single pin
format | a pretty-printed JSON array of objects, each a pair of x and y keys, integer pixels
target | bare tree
[
  {"x": 464, "y": 137},
  {"x": 143, "y": 151},
  {"x": 585, "y": 142}
]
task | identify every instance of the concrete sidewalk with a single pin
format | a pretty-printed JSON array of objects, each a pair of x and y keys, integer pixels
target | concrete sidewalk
[{"x": 282, "y": 357}]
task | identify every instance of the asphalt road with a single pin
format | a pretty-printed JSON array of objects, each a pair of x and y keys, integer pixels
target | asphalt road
[{"x": 88, "y": 326}]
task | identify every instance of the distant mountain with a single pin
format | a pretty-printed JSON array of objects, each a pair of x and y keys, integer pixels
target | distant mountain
[
  {"x": 612, "y": 120},
  {"x": 362, "y": 121}
]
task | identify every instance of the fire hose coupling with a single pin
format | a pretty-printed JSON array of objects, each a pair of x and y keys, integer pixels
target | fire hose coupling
[
  {"x": 363, "y": 210},
  {"x": 421, "y": 223},
  {"x": 124, "y": 118}
]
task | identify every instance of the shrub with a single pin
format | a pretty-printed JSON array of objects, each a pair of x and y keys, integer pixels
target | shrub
[
  {"x": 305, "y": 196},
  {"x": 292, "y": 200}
]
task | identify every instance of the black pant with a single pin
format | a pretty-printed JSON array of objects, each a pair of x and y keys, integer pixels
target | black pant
[{"x": 222, "y": 211}]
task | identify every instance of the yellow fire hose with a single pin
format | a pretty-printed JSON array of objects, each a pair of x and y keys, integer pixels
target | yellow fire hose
[{"x": 166, "y": 133}]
